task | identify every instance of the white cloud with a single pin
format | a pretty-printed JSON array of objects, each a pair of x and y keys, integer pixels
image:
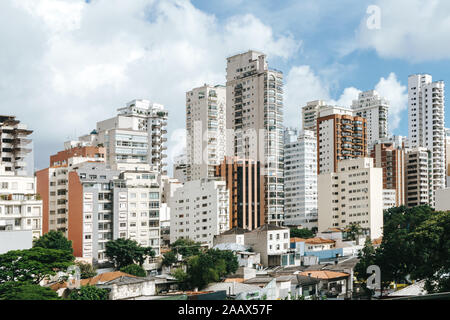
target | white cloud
[
  {"x": 409, "y": 29},
  {"x": 67, "y": 64},
  {"x": 302, "y": 86},
  {"x": 348, "y": 95},
  {"x": 397, "y": 94}
]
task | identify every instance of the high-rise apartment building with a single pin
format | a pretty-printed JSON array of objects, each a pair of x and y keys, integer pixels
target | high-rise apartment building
[
  {"x": 199, "y": 211},
  {"x": 180, "y": 168},
  {"x": 255, "y": 116},
  {"x": 52, "y": 183},
  {"x": 426, "y": 122},
  {"x": 374, "y": 108},
  {"x": 14, "y": 146},
  {"x": 310, "y": 113},
  {"x": 419, "y": 177},
  {"x": 352, "y": 194},
  {"x": 340, "y": 136},
  {"x": 206, "y": 130},
  {"x": 246, "y": 186},
  {"x": 134, "y": 137},
  {"x": 300, "y": 181},
  {"x": 20, "y": 206},
  {"x": 391, "y": 159}
]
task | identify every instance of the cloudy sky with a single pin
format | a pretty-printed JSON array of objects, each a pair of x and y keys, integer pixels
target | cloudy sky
[{"x": 66, "y": 64}]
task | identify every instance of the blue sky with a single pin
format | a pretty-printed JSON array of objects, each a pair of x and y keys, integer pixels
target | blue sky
[{"x": 67, "y": 64}]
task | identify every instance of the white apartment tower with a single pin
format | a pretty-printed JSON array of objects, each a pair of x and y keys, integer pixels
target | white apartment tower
[
  {"x": 205, "y": 125},
  {"x": 426, "y": 122},
  {"x": 354, "y": 194},
  {"x": 300, "y": 181},
  {"x": 255, "y": 116},
  {"x": 134, "y": 137},
  {"x": 310, "y": 113},
  {"x": 199, "y": 211},
  {"x": 20, "y": 206},
  {"x": 374, "y": 108}
]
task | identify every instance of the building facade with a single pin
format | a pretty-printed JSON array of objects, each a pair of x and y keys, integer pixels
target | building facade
[
  {"x": 391, "y": 158},
  {"x": 340, "y": 136},
  {"x": 353, "y": 194},
  {"x": 419, "y": 177},
  {"x": 426, "y": 122},
  {"x": 135, "y": 137},
  {"x": 310, "y": 113},
  {"x": 300, "y": 178},
  {"x": 206, "y": 130},
  {"x": 255, "y": 117},
  {"x": 199, "y": 211},
  {"x": 246, "y": 186},
  {"x": 374, "y": 108}
]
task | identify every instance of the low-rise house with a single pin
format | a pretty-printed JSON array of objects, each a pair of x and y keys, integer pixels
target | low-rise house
[
  {"x": 121, "y": 286},
  {"x": 333, "y": 284}
]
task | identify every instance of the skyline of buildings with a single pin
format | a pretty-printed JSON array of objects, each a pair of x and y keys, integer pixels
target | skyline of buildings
[{"x": 241, "y": 167}]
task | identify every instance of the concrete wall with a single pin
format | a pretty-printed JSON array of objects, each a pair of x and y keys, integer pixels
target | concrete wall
[{"x": 15, "y": 240}]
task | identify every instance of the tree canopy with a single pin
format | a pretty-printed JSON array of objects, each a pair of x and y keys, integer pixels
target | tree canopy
[
  {"x": 186, "y": 247},
  {"x": 301, "y": 233},
  {"x": 54, "y": 240},
  {"x": 86, "y": 269},
  {"x": 89, "y": 292},
  {"x": 123, "y": 252},
  {"x": 415, "y": 243},
  {"x": 33, "y": 265},
  {"x": 13, "y": 290},
  {"x": 207, "y": 267},
  {"x": 135, "y": 270}
]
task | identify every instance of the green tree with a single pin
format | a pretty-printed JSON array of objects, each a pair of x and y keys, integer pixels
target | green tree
[
  {"x": 301, "y": 233},
  {"x": 14, "y": 290},
  {"x": 430, "y": 243},
  {"x": 354, "y": 230},
  {"x": 123, "y": 252},
  {"x": 181, "y": 277},
  {"x": 209, "y": 266},
  {"x": 86, "y": 269},
  {"x": 135, "y": 270},
  {"x": 89, "y": 292},
  {"x": 169, "y": 258},
  {"x": 186, "y": 247},
  {"x": 54, "y": 240},
  {"x": 33, "y": 264}
]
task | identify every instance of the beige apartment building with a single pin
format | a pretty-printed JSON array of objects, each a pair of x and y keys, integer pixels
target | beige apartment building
[
  {"x": 310, "y": 113},
  {"x": 391, "y": 159},
  {"x": 419, "y": 181},
  {"x": 206, "y": 130},
  {"x": 340, "y": 136},
  {"x": 352, "y": 194},
  {"x": 254, "y": 96}
]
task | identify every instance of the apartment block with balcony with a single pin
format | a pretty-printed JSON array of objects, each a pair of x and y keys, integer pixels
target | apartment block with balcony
[
  {"x": 374, "y": 108},
  {"x": 52, "y": 182},
  {"x": 352, "y": 194},
  {"x": 20, "y": 206},
  {"x": 14, "y": 146},
  {"x": 426, "y": 123},
  {"x": 255, "y": 117},
  {"x": 137, "y": 203},
  {"x": 135, "y": 137},
  {"x": 300, "y": 178},
  {"x": 310, "y": 113},
  {"x": 340, "y": 136},
  {"x": 206, "y": 130},
  {"x": 419, "y": 181},
  {"x": 199, "y": 211},
  {"x": 391, "y": 158}
]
